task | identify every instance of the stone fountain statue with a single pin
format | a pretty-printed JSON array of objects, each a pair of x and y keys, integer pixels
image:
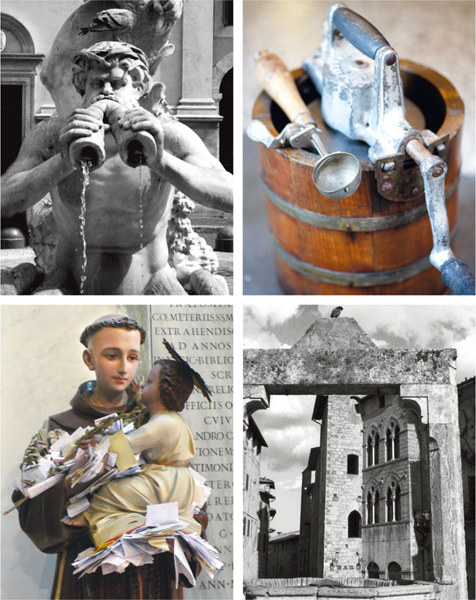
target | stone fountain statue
[{"x": 112, "y": 156}]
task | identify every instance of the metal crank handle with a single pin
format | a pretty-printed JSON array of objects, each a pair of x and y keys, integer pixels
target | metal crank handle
[
  {"x": 278, "y": 83},
  {"x": 360, "y": 33},
  {"x": 454, "y": 273},
  {"x": 291, "y": 135}
]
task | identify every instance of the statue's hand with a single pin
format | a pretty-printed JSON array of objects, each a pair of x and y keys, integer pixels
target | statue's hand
[
  {"x": 139, "y": 119},
  {"x": 82, "y": 123}
]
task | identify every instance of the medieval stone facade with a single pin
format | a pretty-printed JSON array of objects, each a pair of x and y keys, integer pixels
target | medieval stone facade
[
  {"x": 339, "y": 494},
  {"x": 284, "y": 556},
  {"x": 466, "y": 404},
  {"x": 396, "y": 535}
]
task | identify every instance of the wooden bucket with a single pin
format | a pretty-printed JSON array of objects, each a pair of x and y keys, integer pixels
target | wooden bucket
[{"x": 363, "y": 244}]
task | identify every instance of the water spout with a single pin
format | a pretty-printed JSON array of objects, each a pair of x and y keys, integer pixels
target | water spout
[
  {"x": 85, "y": 170},
  {"x": 136, "y": 148}
]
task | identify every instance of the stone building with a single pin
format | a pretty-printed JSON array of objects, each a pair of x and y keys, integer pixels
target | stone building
[
  {"x": 265, "y": 516},
  {"x": 396, "y": 532},
  {"x": 284, "y": 556},
  {"x": 198, "y": 75},
  {"x": 308, "y": 524},
  {"x": 466, "y": 402},
  {"x": 255, "y": 508},
  {"x": 339, "y": 528},
  {"x": 383, "y": 493}
]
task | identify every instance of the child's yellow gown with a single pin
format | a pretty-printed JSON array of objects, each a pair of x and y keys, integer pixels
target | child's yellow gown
[{"x": 121, "y": 504}]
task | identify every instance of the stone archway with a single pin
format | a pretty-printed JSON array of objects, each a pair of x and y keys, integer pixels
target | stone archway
[{"x": 424, "y": 377}]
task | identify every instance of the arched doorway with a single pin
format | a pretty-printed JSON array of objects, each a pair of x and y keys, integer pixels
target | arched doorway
[
  {"x": 19, "y": 63},
  {"x": 373, "y": 570},
  {"x": 394, "y": 571}
]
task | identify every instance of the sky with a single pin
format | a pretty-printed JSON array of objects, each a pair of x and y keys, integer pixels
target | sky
[{"x": 287, "y": 426}]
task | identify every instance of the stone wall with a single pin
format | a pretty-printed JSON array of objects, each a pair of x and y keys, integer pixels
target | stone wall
[
  {"x": 342, "y": 490},
  {"x": 251, "y": 504},
  {"x": 466, "y": 423},
  {"x": 385, "y": 542}
]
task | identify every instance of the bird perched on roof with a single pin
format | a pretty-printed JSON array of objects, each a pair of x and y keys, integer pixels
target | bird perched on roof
[
  {"x": 336, "y": 312},
  {"x": 114, "y": 20}
]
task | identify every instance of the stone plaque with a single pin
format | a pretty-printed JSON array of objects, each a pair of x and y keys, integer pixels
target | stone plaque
[{"x": 203, "y": 335}]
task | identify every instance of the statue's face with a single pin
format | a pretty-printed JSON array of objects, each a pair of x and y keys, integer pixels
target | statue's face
[
  {"x": 115, "y": 84},
  {"x": 150, "y": 391},
  {"x": 114, "y": 355}
]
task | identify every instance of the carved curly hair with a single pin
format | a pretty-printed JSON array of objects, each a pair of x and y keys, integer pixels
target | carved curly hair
[
  {"x": 108, "y": 54},
  {"x": 114, "y": 322},
  {"x": 175, "y": 383}
]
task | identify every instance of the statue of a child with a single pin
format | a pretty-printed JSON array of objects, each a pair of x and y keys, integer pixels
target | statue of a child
[{"x": 167, "y": 445}]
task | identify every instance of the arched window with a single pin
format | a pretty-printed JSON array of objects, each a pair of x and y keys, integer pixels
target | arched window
[
  {"x": 376, "y": 448},
  {"x": 376, "y": 508},
  {"x": 373, "y": 570},
  {"x": 389, "y": 445},
  {"x": 370, "y": 454},
  {"x": 394, "y": 571},
  {"x": 398, "y": 503},
  {"x": 354, "y": 529},
  {"x": 390, "y": 511},
  {"x": 352, "y": 464},
  {"x": 396, "y": 441},
  {"x": 370, "y": 519}
]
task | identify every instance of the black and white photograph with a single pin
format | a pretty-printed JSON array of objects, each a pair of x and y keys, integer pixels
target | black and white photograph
[
  {"x": 359, "y": 450},
  {"x": 117, "y": 147}
]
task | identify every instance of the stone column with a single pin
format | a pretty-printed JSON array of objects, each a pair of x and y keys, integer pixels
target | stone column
[
  {"x": 439, "y": 409},
  {"x": 196, "y": 108}
]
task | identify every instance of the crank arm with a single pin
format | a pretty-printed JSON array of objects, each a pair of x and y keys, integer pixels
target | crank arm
[
  {"x": 293, "y": 135},
  {"x": 454, "y": 273},
  {"x": 258, "y": 132}
]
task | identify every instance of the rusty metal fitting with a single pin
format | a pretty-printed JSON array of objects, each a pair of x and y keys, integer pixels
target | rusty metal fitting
[{"x": 417, "y": 150}]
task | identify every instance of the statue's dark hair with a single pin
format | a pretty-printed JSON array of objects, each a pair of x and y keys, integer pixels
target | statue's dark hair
[
  {"x": 175, "y": 383},
  {"x": 114, "y": 322}
]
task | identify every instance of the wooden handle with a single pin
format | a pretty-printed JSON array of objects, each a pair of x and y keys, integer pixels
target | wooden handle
[{"x": 278, "y": 83}]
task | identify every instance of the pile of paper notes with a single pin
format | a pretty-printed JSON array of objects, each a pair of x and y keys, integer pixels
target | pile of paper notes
[
  {"x": 65, "y": 458},
  {"x": 136, "y": 547}
]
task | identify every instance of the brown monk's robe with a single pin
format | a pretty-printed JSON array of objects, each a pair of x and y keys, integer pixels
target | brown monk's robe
[{"x": 40, "y": 519}]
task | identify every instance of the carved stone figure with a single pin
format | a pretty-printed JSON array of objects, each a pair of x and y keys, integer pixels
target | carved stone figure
[{"x": 112, "y": 232}]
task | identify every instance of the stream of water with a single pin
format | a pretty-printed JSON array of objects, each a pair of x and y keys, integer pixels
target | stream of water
[
  {"x": 85, "y": 170},
  {"x": 141, "y": 210}
]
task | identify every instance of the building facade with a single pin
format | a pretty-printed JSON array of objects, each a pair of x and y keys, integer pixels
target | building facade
[
  {"x": 283, "y": 562},
  {"x": 339, "y": 493},
  {"x": 396, "y": 533},
  {"x": 466, "y": 403}
]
